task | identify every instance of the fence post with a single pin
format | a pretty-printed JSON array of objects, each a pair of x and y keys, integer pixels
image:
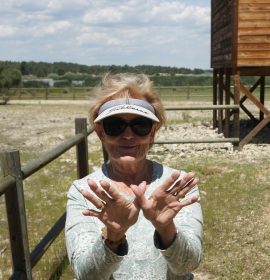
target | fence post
[
  {"x": 82, "y": 148},
  {"x": 46, "y": 93},
  {"x": 16, "y": 215}
]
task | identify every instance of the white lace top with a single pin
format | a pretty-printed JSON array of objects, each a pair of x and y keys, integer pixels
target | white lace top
[{"x": 90, "y": 258}]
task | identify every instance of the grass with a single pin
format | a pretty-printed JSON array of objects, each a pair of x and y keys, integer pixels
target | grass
[
  {"x": 234, "y": 202},
  {"x": 234, "y": 197}
]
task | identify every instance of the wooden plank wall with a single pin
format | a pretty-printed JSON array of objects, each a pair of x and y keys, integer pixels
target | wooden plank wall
[
  {"x": 222, "y": 33},
  {"x": 253, "y": 33}
]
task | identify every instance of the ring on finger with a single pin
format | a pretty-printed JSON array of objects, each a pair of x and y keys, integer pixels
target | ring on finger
[{"x": 101, "y": 208}]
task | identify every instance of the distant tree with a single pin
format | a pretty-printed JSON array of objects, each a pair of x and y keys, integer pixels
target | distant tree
[
  {"x": 9, "y": 77},
  {"x": 24, "y": 68}
]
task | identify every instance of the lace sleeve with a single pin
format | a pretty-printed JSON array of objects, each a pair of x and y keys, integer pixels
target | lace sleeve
[
  {"x": 184, "y": 254},
  {"x": 88, "y": 255}
]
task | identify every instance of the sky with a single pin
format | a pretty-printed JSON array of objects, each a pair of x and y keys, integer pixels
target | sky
[{"x": 104, "y": 32}]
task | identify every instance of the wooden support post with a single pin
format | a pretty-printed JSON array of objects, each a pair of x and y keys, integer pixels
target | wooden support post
[
  {"x": 215, "y": 98},
  {"x": 227, "y": 102},
  {"x": 16, "y": 215},
  {"x": 262, "y": 94},
  {"x": 82, "y": 148},
  {"x": 220, "y": 100},
  {"x": 236, "y": 117}
]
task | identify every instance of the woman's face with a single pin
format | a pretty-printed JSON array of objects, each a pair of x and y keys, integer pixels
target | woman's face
[{"x": 127, "y": 147}]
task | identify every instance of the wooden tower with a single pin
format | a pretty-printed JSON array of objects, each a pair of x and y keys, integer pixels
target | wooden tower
[{"x": 240, "y": 46}]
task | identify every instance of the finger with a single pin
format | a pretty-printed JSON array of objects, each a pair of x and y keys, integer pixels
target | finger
[
  {"x": 184, "y": 190},
  {"x": 93, "y": 199},
  {"x": 90, "y": 213},
  {"x": 112, "y": 192},
  {"x": 170, "y": 182},
  {"x": 185, "y": 182},
  {"x": 187, "y": 202},
  {"x": 98, "y": 191},
  {"x": 139, "y": 193}
]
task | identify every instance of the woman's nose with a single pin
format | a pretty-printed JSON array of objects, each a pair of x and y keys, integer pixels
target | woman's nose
[{"x": 128, "y": 133}]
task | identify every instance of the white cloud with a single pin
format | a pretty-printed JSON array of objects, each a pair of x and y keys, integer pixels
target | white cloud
[
  {"x": 127, "y": 31},
  {"x": 7, "y": 31},
  {"x": 50, "y": 29},
  {"x": 91, "y": 38}
]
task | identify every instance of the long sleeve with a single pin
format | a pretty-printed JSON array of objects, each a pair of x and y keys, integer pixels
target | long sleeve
[
  {"x": 184, "y": 254},
  {"x": 89, "y": 257}
]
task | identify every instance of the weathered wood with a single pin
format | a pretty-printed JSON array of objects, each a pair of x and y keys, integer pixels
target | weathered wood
[
  {"x": 47, "y": 240},
  {"x": 227, "y": 102},
  {"x": 240, "y": 34},
  {"x": 220, "y": 100},
  {"x": 215, "y": 98},
  {"x": 16, "y": 214},
  {"x": 43, "y": 160},
  {"x": 82, "y": 148},
  {"x": 254, "y": 132},
  {"x": 262, "y": 95},
  {"x": 254, "y": 100},
  {"x": 236, "y": 117},
  {"x": 203, "y": 140},
  {"x": 222, "y": 35},
  {"x": 207, "y": 107}
]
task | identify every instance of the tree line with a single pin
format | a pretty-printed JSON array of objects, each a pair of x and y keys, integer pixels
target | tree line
[
  {"x": 64, "y": 73},
  {"x": 30, "y": 74},
  {"x": 43, "y": 69}
]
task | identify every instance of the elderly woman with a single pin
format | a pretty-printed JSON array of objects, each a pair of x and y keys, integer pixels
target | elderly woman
[{"x": 133, "y": 218}]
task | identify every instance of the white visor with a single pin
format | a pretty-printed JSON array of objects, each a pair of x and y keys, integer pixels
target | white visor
[{"x": 126, "y": 106}]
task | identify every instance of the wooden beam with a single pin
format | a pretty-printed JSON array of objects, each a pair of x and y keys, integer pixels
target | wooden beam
[
  {"x": 254, "y": 100},
  {"x": 262, "y": 94},
  {"x": 254, "y": 131},
  {"x": 236, "y": 118},
  {"x": 215, "y": 98},
  {"x": 227, "y": 102},
  {"x": 16, "y": 214},
  {"x": 220, "y": 100}
]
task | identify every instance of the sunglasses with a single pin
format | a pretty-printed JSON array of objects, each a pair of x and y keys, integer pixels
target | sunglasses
[{"x": 114, "y": 126}]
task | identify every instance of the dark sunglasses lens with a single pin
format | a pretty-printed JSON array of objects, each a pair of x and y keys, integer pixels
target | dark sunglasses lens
[
  {"x": 113, "y": 126},
  {"x": 141, "y": 126}
]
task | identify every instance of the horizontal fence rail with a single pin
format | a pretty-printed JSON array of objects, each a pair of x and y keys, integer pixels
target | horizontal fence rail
[
  {"x": 197, "y": 141},
  {"x": 209, "y": 107},
  {"x": 42, "y": 161},
  {"x": 12, "y": 187}
]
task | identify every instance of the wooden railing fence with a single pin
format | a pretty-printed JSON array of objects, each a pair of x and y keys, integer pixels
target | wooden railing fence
[
  {"x": 12, "y": 187},
  {"x": 82, "y": 93}
]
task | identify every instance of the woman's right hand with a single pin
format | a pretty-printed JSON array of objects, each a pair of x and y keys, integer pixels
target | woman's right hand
[{"x": 117, "y": 213}]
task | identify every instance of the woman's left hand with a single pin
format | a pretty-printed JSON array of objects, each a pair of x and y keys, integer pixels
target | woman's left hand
[{"x": 164, "y": 204}]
